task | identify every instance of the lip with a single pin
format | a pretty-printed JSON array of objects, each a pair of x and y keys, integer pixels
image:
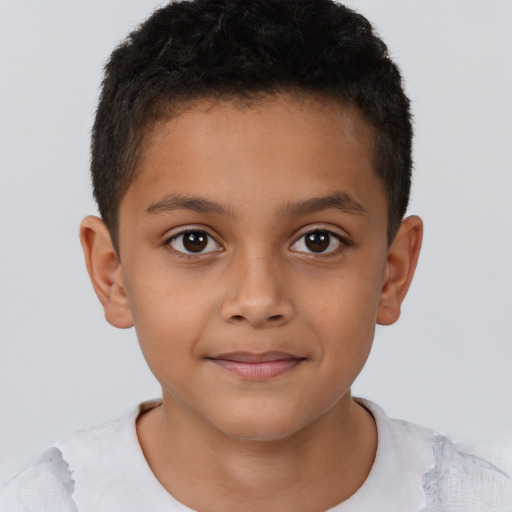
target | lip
[{"x": 257, "y": 366}]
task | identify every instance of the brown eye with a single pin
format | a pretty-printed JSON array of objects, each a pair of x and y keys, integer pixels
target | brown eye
[
  {"x": 193, "y": 242},
  {"x": 318, "y": 241}
]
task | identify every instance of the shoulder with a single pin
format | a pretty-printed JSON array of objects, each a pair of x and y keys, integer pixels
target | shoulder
[
  {"x": 448, "y": 476},
  {"x": 45, "y": 485},
  {"x": 461, "y": 477},
  {"x": 462, "y": 480},
  {"x": 76, "y": 466}
]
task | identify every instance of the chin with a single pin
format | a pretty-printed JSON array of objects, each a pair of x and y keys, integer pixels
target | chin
[{"x": 264, "y": 426}]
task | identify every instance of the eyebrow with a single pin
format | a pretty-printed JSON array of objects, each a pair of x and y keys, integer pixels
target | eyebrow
[
  {"x": 338, "y": 200},
  {"x": 192, "y": 203},
  {"x": 341, "y": 201}
]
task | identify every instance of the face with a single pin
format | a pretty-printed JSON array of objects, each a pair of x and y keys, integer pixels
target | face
[{"x": 253, "y": 255}]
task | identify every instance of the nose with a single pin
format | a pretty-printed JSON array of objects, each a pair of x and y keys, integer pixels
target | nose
[{"x": 256, "y": 292}]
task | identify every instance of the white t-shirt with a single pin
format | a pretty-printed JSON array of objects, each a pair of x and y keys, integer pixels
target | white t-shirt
[{"x": 103, "y": 469}]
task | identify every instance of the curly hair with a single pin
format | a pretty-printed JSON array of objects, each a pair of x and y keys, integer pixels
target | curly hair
[{"x": 195, "y": 49}]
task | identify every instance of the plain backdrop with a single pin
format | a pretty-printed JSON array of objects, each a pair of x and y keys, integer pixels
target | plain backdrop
[{"x": 445, "y": 364}]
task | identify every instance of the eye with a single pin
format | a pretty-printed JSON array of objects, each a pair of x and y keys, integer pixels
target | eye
[
  {"x": 193, "y": 242},
  {"x": 318, "y": 241}
]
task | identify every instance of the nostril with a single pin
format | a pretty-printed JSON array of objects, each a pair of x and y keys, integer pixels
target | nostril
[{"x": 273, "y": 318}]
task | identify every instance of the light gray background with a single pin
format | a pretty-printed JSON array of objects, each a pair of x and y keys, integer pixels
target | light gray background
[{"x": 446, "y": 364}]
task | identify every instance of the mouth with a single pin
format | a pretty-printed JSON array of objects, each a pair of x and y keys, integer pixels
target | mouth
[{"x": 253, "y": 366}]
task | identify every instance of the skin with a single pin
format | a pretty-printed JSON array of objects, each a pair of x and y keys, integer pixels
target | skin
[{"x": 222, "y": 441}]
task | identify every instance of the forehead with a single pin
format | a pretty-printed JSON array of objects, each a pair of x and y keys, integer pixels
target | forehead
[
  {"x": 276, "y": 150},
  {"x": 295, "y": 116}
]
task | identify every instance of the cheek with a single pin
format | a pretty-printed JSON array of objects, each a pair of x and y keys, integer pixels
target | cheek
[
  {"x": 161, "y": 295},
  {"x": 343, "y": 312},
  {"x": 168, "y": 315},
  {"x": 345, "y": 300}
]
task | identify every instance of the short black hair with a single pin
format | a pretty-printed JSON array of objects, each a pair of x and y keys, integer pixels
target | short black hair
[{"x": 195, "y": 49}]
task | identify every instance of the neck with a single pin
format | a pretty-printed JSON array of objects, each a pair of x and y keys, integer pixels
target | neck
[{"x": 313, "y": 469}]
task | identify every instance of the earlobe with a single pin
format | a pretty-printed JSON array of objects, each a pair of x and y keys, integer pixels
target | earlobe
[
  {"x": 105, "y": 271},
  {"x": 402, "y": 259}
]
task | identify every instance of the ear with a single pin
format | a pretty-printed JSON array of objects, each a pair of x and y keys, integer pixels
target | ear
[
  {"x": 105, "y": 271},
  {"x": 400, "y": 266}
]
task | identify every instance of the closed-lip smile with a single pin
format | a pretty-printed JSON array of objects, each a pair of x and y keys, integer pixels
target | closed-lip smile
[{"x": 256, "y": 366}]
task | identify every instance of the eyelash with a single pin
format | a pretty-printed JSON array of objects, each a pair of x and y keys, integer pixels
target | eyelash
[
  {"x": 182, "y": 254},
  {"x": 330, "y": 254},
  {"x": 344, "y": 243}
]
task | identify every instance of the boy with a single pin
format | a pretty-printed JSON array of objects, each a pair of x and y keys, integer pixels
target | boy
[{"x": 251, "y": 162}]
